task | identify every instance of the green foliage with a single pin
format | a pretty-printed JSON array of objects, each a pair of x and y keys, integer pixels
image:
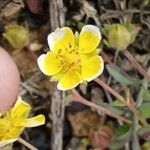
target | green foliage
[
  {"x": 80, "y": 25},
  {"x": 144, "y": 132},
  {"x": 122, "y": 129},
  {"x": 133, "y": 29},
  {"x": 146, "y": 95},
  {"x": 145, "y": 110},
  {"x": 85, "y": 141},
  {"x": 118, "y": 103},
  {"x": 119, "y": 75},
  {"x": 115, "y": 109},
  {"x": 123, "y": 134}
]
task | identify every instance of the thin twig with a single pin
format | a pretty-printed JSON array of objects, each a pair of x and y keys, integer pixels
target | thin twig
[
  {"x": 25, "y": 143},
  {"x": 57, "y": 117},
  {"x": 80, "y": 99},
  {"x": 105, "y": 57},
  {"x": 136, "y": 64},
  {"x": 108, "y": 88},
  {"x": 116, "y": 14},
  {"x": 4, "y": 3},
  {"x": 116, "y": 55},
  {"x": 57, "y": 19}
]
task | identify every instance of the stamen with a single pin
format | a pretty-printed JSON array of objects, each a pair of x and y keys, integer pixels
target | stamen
[
  {"x": 59, "y": 51},
  {"x": 70, "y": 46}
]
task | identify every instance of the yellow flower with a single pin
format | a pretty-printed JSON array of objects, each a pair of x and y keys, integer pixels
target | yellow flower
[
  {"x": 13, "y": 122},
  {"x": 73, "y": 58}
]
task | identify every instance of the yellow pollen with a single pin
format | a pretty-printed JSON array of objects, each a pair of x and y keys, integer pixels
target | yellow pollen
[{"x": 70, "y": 60}]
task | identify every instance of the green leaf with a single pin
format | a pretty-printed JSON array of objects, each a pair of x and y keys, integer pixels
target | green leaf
[
  {"x": 115, "y": 145},
  {"x": 106, "y": 43},
  {"x": 85, "y": 141},
  {"x": 146, "y": 95},
  {"x": 80, "y": 25},
  {"x": 122, "y": 129},
  {"x": 118, "y": 103},
  {"x": 107, "y": 28},
  {"x": 128, "y": 25},
  {"x": 116, "y": 110},
  {"x": 145, "y": 110},
  {"x": 124, "y": 133},
  {"x": 133, "y": 29},
  {"x": 119, "y": 75}
]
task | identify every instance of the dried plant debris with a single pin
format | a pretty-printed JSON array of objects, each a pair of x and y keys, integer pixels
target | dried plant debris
[{"x": 9, "y": 10}]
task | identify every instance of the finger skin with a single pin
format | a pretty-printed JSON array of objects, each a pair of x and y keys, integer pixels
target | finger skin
[{"x": 9, "y": 81}]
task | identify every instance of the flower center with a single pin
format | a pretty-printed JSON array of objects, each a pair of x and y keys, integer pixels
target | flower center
[{"x": 70, "y": 60}]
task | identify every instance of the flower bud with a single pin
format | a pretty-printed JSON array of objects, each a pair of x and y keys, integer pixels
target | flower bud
[
  {"x": 118, "y": 37},
  {"x": 17, "y": 36}
]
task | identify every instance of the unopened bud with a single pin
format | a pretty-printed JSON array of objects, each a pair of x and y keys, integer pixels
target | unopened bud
[
  {"x": 118, "y": 37},
  {"x": 17, "y": 36}
]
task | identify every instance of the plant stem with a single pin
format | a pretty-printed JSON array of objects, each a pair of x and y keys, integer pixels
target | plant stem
[
  {"x": 78, "y": 98},
  {"x": 108, "y": 88},
  {"x": 135, "y": 139},
  {"x": 119, "y": 97},
  {"x": 136, "y": 64},
  {"x": 25, "y": 143},
  {"x": 116, "y": 55},
  {"x": 105, "y": 57}
]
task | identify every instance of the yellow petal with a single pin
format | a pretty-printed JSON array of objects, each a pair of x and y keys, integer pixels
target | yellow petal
[
  {"x": 49, "y": 63},
  {"x": 31, "y": 122},
  {"x": 4, "y": 122},
  {"x": 21, "y": 109},
  {"x": 6, "y": 142},
  {"x": 95, "y": 52},
  {"x": 61, "y": 40},
  {"x": 92, "y": 67},
  {"x": 57, "y": 76},
  {"x": 89, "y": 39},
  {"x": 69, "y": 80},
  {"x": 14, "y": 132}
]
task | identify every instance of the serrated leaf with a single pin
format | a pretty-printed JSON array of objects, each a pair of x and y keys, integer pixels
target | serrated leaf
[
  {"x": 145, "y": 110},
  {"x": 119, "y": 75}
]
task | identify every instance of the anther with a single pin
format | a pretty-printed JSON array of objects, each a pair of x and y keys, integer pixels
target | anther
[{"x": 70, "y": 46}]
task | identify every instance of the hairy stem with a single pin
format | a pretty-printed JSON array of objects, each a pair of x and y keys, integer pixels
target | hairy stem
[
  {"x": 136, "y": 64},
  {"x": 78, "y": 98},
  {"x": 25, "y": 143},
  {"x": 119, "y": 97}
]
